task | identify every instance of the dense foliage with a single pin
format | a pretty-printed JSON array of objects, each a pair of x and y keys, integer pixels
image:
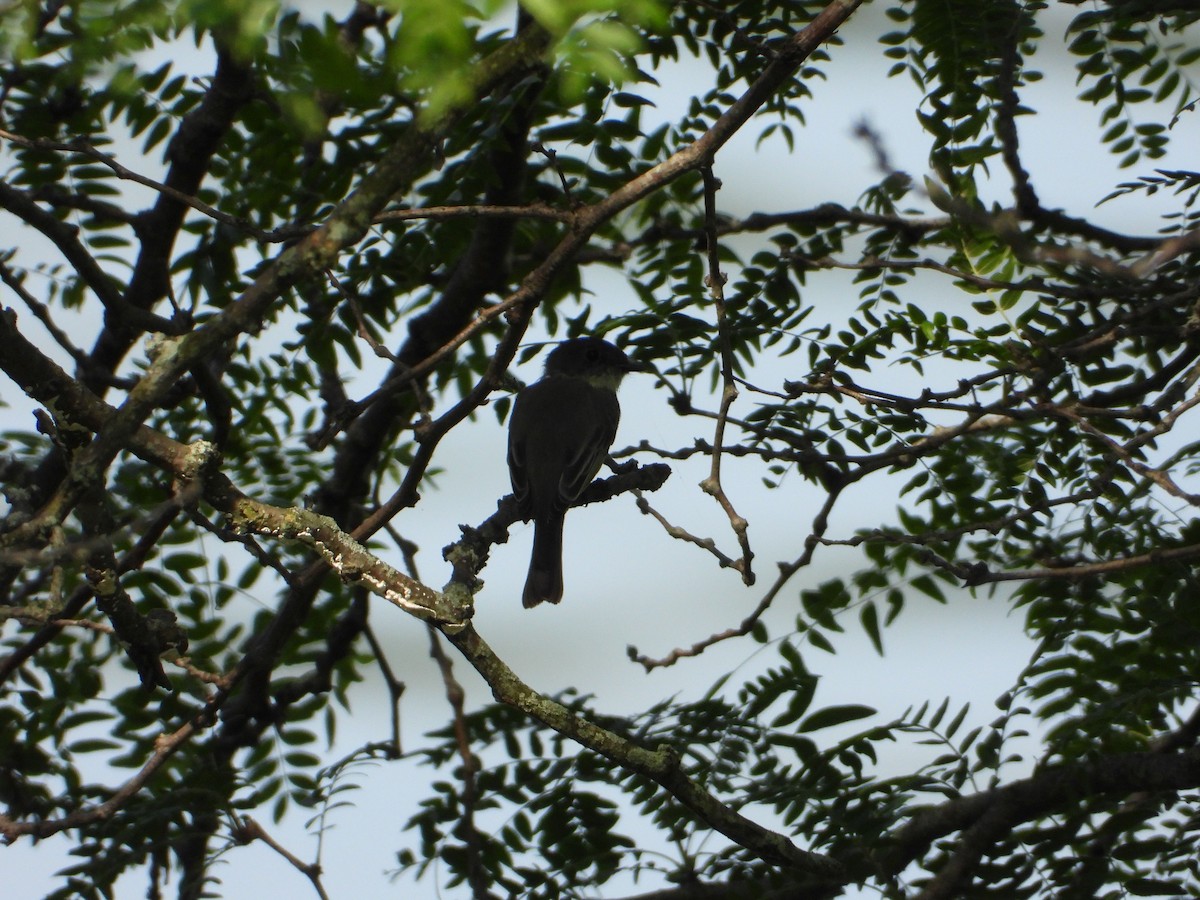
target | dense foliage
[{"x": 221, "y": 216}]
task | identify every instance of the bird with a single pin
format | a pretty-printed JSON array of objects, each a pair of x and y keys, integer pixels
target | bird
[{"x": 561, "y": 429}]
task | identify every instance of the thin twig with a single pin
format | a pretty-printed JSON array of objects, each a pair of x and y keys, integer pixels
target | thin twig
[
  {"x": 150, "y": 529},
  {"x": 247, "y": 829},
  {"x": 870, "y": 263},
  {"x": 472, "y": 839},
  {"x": 353, "y": 409},
  {"x": 977, "y": 573},
  {"x": 682, "y": 534},
  {"x": 1122, "y": 452},
  {"x": 42, "y": 314},
  {"x": 84, "y": 148},
  {"x": 715, "y": 280},
  {"x": 32, "y": 615},
  {"x": 263, "y": 557},
  {"x": 395, "y": 687},
  {"x": 532, "y": 211},
  {"x": 164, "y": 748},
  {"x": 552, "y": 159},
  {"x": 423, "y": 401},
  {"x": 222, "y": 680},
  {"x": 786, "y": 571}
]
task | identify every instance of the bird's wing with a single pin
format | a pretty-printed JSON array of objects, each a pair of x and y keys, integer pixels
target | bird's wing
[{"x": 589, "y": 456}]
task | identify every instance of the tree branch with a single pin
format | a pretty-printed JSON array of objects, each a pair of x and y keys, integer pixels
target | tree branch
[{"x": 661, "y": 766}]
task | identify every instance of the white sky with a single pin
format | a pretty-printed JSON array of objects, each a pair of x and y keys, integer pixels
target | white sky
[{"x": 638, "y": 587}]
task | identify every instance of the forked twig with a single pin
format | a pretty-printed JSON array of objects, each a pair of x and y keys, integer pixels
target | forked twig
[
  {"x": 247, "y": 829},
  {"x": 715, "y": 280}
]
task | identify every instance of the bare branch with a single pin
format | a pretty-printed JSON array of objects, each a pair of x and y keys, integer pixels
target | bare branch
[
  {"x": 247, "y": 829},
  {"x": 729, "y": 392},
  {"x": 532, "y": 211},
  {"x": 85, "y": 149},
  {"x": 472, "y": 839},
  {"x": 395, "y": 687},
  {"x": 786, "y": 571},
  {"x": 42, "y": 314},
  {"x": 164, "y": 748},
  {"x": 661, "y": 766},
  {"x": 682, "y": 534}
]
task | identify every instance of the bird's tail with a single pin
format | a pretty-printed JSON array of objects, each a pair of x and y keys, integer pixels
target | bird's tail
[{"x": 545, "y": 581}]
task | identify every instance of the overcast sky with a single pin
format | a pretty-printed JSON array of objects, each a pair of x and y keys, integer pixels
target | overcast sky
[{"x": 626, "y": 582}]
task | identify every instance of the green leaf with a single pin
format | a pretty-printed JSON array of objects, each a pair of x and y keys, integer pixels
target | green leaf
[
  {"x": 835, "y": 715},
  {"x": 869, "y": 617}
]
